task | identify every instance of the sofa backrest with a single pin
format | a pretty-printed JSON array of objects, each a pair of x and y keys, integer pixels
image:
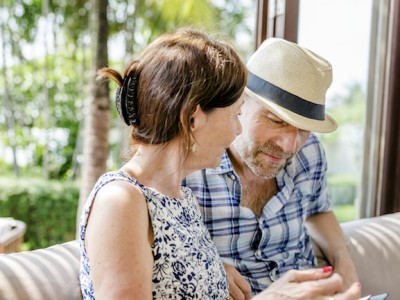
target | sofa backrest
[
  {"x": 50, "y": 273},
  {"x": 374, "y": 246}
]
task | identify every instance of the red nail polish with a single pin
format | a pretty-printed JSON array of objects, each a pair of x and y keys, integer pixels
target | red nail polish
[{"x": 327, "y": 269}]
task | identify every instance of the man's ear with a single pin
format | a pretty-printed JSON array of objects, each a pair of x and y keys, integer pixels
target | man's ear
[{"x": 197, "y": 118}]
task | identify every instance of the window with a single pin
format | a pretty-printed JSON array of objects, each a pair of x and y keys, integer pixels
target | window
[{"x": 340, "y": 31}]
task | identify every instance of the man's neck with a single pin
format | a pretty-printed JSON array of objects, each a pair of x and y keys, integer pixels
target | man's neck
[{"x": 256, "y": 191}]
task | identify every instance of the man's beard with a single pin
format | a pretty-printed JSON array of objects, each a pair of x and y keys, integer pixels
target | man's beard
[{"x": 250, "y": 154}]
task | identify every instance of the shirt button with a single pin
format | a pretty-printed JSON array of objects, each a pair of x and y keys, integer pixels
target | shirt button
[
  {"x": 273, "y": 272},
  {"x": 233, "y": 177}
]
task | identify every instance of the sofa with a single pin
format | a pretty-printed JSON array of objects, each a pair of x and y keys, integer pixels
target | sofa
[{"x": 52, "y": 273}]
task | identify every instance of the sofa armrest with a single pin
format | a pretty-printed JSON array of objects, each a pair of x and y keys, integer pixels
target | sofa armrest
[
  {"x": 374, "y": 246},
  {"x": 11, "y": 234},
  {"x": 50, "y": 273}
]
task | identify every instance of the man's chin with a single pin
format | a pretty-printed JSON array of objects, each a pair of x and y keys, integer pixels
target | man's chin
[
  {"x": 269, "y": 176},
  {"x": 268, "y": 172}
]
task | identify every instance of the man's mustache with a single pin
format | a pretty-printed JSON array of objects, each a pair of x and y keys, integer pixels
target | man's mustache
[{"x": 273, "y": 149}]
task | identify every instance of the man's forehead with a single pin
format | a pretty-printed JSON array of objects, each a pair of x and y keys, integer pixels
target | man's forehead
[{"x": 262, "y": 109}]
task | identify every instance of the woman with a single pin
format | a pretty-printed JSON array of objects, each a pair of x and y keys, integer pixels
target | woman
[{"x": 141, "y": 234}]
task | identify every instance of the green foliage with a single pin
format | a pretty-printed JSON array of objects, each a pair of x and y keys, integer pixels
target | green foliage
[
  {"x": 73, "y": 18},
  {"x": 22, "y": 17},
  {"x": 190, "y": 12},
  {"x": 342, "y": 189},
  {"x": 345, "y": 212},
  {"x": 65, "y": 112},
  {"x": 68, "y": 67},
  {"x": 348, "y": 110},
  {"x": 48, "y": 208}
]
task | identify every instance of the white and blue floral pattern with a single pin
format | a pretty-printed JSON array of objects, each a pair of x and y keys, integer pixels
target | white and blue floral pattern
[{"x": 186, "y": 262}]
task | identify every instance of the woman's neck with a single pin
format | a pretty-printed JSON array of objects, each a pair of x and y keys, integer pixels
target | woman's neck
[{"x": 158, "y": 167}]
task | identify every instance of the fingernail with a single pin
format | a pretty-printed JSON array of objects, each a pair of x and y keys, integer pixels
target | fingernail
[
  {"x": 358, "y": 284},
  {"x": 327, "y": 269}
]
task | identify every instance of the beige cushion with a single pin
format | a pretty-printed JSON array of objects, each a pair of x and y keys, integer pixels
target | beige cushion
[
  {"x": 50, "y": 273},
  {"x": 374, "y": 245}
]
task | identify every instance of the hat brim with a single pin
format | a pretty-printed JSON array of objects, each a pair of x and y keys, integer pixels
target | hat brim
[{"x": 296, "y": 120}]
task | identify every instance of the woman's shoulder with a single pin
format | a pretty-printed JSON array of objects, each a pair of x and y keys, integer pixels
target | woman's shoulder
[
  {"x": 118, "y": 201},
  {"x": 118, "y": 185},
  {"x": 114, "y": 178}
]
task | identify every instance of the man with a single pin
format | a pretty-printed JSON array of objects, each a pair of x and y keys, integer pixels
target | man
[{"x": 268, "y": 197}]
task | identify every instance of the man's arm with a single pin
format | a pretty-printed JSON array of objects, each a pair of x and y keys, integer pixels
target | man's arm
[{"x": 326, "y": 232}]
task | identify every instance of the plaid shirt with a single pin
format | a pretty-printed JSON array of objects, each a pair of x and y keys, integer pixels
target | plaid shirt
[{"x": 264, "y": 248}]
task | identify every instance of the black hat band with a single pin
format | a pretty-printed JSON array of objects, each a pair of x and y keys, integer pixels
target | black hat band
[{"x": 285, "y": 99}]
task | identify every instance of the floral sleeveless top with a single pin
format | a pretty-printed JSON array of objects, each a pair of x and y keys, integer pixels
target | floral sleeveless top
[{"x": 186, "y": 264}]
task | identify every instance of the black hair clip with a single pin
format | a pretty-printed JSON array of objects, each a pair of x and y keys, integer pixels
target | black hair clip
[{"x": 126, "y": 100}]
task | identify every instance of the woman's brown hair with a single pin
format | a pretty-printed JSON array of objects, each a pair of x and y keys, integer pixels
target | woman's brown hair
[{"x": 174, "y": 74}]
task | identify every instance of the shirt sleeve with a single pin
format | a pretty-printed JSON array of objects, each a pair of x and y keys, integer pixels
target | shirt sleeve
[{"x": 314, "y": 155}]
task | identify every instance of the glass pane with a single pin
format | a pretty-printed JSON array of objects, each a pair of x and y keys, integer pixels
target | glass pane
[{"x": 340, "y": 31}]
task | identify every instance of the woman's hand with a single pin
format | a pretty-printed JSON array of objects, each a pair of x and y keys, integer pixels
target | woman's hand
[{"x": 312, "y": 284}]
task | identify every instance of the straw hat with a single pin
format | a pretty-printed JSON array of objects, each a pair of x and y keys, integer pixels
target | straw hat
[{"x": 291, "y": 82}]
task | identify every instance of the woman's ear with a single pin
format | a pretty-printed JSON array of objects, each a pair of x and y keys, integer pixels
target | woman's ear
[{"x": 197, "y": 118}]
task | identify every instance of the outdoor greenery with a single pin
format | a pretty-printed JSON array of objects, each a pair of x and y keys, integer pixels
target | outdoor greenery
[
  {"x": 42, "y": 96},
  {"x": 341, "y": 147},
  {"x": 47, "y": 207},
  {"x": 346, "y": 212},
  {"x": 342, "y": 189}
]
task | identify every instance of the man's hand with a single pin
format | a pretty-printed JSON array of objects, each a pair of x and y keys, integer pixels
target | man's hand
[{"x": 239, "y": 288}]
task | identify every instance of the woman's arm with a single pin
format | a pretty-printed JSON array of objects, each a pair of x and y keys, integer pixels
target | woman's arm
[
  {"x": 312, "y": 284},
  {"x": 118, "y": 242}
]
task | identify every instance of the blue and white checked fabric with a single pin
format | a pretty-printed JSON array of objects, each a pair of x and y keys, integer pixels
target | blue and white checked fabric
[{"x": 264, "y": 248}]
